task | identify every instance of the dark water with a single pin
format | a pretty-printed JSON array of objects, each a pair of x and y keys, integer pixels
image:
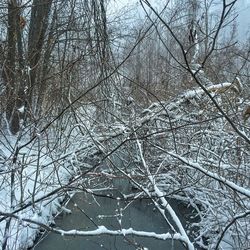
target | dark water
[{"x": 90, "y": 210}]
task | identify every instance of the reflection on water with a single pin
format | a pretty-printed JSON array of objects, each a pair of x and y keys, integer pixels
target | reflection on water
[{"x": 91, "y": 211}]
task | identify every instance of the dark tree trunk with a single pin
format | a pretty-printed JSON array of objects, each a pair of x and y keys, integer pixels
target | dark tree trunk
[
  {"x": 14, "y": 97},
  {"x": 38, "y": 27},
  {"x": 14, "y": 75}
]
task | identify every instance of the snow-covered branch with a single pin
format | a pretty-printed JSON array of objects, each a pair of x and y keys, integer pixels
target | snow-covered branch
[
  {"x": 215, "y": 176},
  {"x": 164, "y": 202}
]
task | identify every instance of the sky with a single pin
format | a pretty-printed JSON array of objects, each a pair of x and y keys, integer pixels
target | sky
[
  {"x": 242, "y": 7},
  {"x": 243, "y": 20}
]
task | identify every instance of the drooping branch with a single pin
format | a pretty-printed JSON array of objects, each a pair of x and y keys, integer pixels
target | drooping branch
[{"x": 215, "y": 176}]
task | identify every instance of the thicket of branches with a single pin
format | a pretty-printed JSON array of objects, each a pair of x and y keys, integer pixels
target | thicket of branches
[{"x": 163, "y": 102}]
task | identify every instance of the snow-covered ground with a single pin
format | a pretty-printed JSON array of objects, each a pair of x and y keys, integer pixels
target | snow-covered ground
[{"x": 35, "y": 178}]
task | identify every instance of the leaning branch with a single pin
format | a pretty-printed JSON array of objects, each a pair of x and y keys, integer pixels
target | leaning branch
[{"x": 215, "y": 176}]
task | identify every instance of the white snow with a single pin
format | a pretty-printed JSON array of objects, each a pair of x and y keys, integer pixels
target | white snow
[{"x": 21, "y": 109}]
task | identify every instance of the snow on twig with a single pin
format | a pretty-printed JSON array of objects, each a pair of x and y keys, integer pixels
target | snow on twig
[
  {"x": 123, "y": 232},
  {"x": 215, "y": 176},
  {"x": 164, "y": 202}
]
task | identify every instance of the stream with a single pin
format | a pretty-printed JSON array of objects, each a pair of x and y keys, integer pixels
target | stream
[{"x": 89, "y": 211}]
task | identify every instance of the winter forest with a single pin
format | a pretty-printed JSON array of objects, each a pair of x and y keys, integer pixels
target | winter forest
[{"x": 124, "y": 116}]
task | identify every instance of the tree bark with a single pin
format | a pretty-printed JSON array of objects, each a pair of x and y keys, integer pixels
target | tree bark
[
  {"x": 38, "y": 27},
  {"x": 13, "y": 88}
]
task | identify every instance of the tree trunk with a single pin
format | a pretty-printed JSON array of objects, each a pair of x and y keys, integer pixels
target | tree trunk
[
  {"x": 38, "y": 27},
  {"x": 13, "y": 88}
]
